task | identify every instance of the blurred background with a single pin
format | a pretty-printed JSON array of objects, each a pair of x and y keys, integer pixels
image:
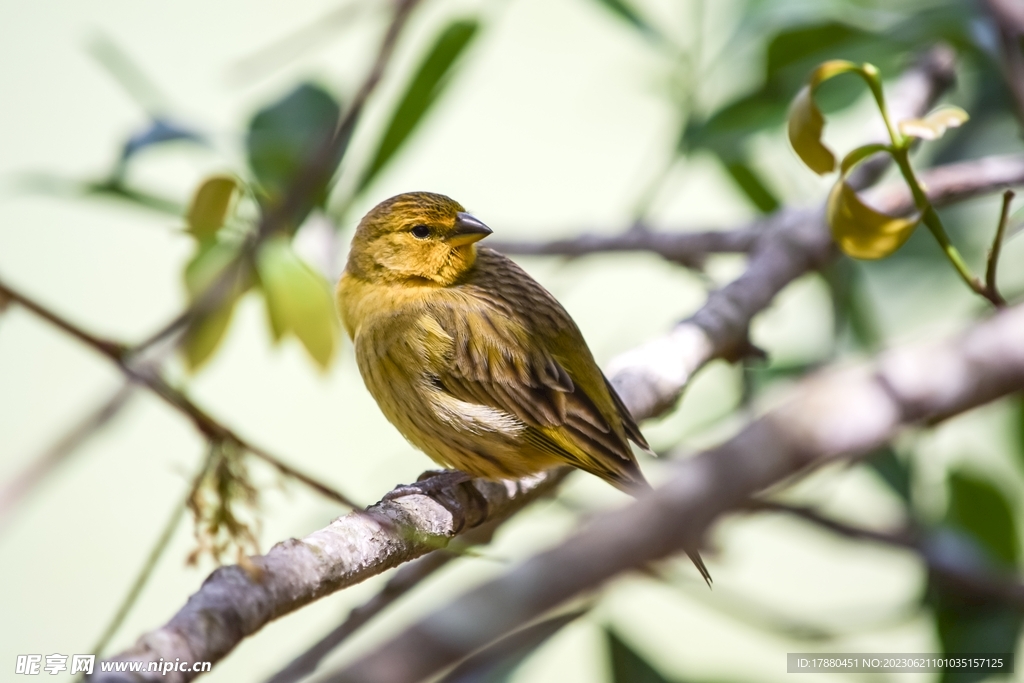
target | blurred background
[{"x": 544, "y": 118}]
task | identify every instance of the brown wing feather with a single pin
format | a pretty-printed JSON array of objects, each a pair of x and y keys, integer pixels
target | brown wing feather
[{"x": 516, "y": 349}]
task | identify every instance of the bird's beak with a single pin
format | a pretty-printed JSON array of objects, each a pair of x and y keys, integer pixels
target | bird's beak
[{"x": 467, "y": 230}]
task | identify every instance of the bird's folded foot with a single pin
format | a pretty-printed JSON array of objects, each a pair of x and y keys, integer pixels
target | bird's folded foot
[{"x": 430, "y": 483}]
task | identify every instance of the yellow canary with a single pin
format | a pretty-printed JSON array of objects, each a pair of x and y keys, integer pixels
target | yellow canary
[{"x": 471, "y": 359}]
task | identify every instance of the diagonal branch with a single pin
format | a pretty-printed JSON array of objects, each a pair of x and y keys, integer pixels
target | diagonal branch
[
  {"x": 833, "y": 416},
  {"x": 118, "y": 354},
  {"x": 983, "y": 584}
]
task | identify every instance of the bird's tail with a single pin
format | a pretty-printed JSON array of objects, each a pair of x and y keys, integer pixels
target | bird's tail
[{"x": 636, "y": 485}]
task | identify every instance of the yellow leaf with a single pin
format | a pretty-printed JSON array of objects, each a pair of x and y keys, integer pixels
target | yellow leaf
[
  {"x": 298, "y": 299},
  {"x": 806, "y": 123},
  {"x": 861, "y": 231},
  {"x": 210, "y": 206},
  {"x": 934, "y": 125},
  {"x": 205, "y": 334},
  {"x": 207, "y": 329}
]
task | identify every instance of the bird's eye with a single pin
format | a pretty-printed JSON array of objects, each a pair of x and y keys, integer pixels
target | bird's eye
[{"x": 421, "y": 232}]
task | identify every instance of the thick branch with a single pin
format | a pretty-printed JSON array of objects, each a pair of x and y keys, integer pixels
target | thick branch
[
  {"x": 232, "y": 605},
  {"x": 831, "y": 416}
]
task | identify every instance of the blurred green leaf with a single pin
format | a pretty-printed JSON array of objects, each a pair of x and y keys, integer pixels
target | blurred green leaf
[
  {"x": 851, "y": 303},
  {"x": 979, "y": 529},
  {"x": 423, "y": 90},
  {"x": 979, "y": 508},
  {"x": 628, "y": 13},
  {"x": 497, "y": 662},
  {"x": 627, "y": 665},
  {"x": 209, "y": 206},
  {"x": 298, "y": 300},
  {"x": 753, "y": 186},
  {"x": 1018, "y": 421},
  {"x": 207, "y": 328},
  {"x": 205, "y": 334},
  {"x": 934, "y": 125},
  {"x": 283, "y": 137},
  {"x": 892, "y": 470}
]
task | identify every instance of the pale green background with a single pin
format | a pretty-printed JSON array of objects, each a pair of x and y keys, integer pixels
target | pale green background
[{"x": 555, "y": 124}]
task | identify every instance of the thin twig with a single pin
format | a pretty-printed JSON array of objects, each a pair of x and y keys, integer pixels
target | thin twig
[
  {"x": 30, "y": 477},
  {"x": 686, "y": 248},
  {"x": 145, "y": 572},
  {"x": 984, "y": 584},
  {"x": 997, "y": 245},
  {"x": 206, "y": 424}
]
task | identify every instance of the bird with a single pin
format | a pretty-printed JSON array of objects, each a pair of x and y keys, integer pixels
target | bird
[{"x": 471, "y": 359}]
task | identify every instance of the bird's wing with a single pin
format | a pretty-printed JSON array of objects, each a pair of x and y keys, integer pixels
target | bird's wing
[{"x": 516, "y": 349}]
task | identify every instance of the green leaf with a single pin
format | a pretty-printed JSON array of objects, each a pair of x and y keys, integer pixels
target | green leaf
[
  {"x": 423, "y": 90},
  {"x": 806, "y": 122},
  {"x": 628, "y": 666},
  {"x": 497, "y": 662},
  {"x": 208, "y": 328},
  {"x": 980, "y": 509},
  {"x": 934, "y": 125},
  {"x": 753, "y": 186},
  {"x": 209, "y": 206},
  {"x": 285, "y": 136},
  {"x": 798, "y": 45},
  {"x": 1018, "y": 421},
  {"x": 628, "y": 13},
  {"x": 298, "y": 300},
  {"x": 892, "y": 470}
]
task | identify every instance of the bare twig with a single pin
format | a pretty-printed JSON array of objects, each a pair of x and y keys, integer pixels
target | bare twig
[
  {"x": 831, "y": 416},
  {"x": 997, "y": 245},
  {"x": 28, "y": 479},
  {"x": 206, "y": 424},
  {"x": 1009, "y": 19},
  {"x": 968, "y": 579},
  {"x": 685, "y": 248}
]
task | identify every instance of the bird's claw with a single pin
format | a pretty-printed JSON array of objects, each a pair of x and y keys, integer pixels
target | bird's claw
[{"x": 429, "y": 484}]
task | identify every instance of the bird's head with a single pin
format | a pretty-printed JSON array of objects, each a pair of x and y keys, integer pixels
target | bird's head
[{"x": 416, "y": 236}]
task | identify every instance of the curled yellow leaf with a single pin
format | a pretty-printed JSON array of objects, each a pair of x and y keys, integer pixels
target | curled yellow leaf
[
  {"x": 209, "y": 206},
  {"x": 935, "y": 124},
  {"x": 298, "y": 300},
  {"x": 806, "y": 123},
  {"x": 861, "y": 231}
]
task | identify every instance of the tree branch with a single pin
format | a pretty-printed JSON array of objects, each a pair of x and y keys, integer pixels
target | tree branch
[
  {"x": 232, "y": 605},
  {"x": 831, "y": 416},
  {"x": 120, "y": 355},
  {"x": 685, "y": 248},
  {"x": 964, "y": 577}
]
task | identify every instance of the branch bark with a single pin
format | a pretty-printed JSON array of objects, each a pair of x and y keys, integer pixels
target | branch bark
[{"x": 838, "y": 415}]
